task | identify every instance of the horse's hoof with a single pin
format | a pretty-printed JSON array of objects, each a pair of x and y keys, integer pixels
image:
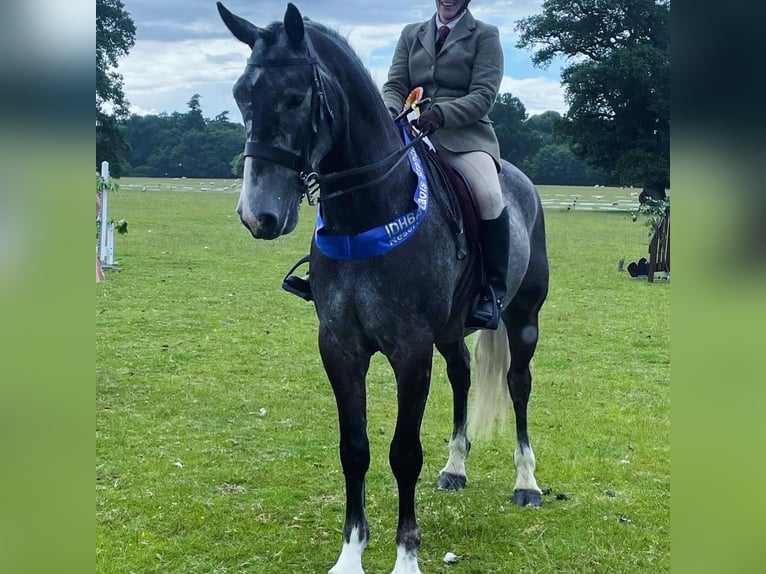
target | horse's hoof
[
  {"x": 526, "y": 497},
  {"x": 448, "y": 481}
]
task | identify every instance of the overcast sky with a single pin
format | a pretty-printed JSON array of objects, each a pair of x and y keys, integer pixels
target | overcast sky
[{"x": 183, "y": 48}]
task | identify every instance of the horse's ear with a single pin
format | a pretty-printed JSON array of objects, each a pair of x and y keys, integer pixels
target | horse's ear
[
  {"x": 243, "y": 30},
  {"x": 294, "y": 25}
]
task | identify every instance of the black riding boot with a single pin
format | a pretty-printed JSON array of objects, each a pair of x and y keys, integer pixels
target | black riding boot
[
  {"x": 495, "y": 235},
  {"x": 299, "y": 286}
]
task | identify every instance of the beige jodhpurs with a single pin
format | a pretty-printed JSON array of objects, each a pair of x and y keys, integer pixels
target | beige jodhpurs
[{"x": 479, "y": 169}]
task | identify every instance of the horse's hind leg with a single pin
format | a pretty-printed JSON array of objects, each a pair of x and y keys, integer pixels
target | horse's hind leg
[
  {"x": 522, "y": 326},
  {"x": 453, "y": 475},
  {"x": 347, "y": 376},
  {"x": 413, "y": 377}
]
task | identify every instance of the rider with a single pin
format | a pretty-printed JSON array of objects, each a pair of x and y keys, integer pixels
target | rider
[
  {"x": 462, "y": 80},
  {"x": 462, "y": 77}
]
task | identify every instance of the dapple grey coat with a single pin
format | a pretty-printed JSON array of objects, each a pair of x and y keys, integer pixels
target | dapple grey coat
[{"x": 463, "y": 80}]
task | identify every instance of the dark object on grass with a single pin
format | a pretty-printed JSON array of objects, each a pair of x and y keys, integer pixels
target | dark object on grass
[{"x": 640, "y": 269}]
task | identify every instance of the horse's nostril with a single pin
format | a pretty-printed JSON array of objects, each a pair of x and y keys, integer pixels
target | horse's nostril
[{"x": 267, "y": 222}]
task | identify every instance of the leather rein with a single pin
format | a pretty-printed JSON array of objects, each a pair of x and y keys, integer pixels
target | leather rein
[{"x": 333, "y": 184}]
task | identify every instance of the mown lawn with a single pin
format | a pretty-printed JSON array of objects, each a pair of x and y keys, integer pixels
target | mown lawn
[{"x": 216, "y": 436}]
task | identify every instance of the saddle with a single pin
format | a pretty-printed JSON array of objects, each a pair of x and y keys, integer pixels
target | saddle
[{"x": 453, "y": 191}]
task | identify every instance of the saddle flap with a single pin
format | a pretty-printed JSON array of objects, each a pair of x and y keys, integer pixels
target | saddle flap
[
  {"x": 467, "y": 204},
  {"x": 453, "y": 187}
]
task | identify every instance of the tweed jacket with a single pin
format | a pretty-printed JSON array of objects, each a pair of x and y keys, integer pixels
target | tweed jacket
[{"x": 463, "y": 80}]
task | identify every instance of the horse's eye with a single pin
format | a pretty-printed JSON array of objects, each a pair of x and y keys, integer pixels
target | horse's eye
[{"x": 294, "y": 100}]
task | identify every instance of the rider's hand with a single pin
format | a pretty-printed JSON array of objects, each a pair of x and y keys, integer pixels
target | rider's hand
[{"x": 430, "y": 120}]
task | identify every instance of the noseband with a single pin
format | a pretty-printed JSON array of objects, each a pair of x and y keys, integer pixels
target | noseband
[{"x": 334, "y": 184}]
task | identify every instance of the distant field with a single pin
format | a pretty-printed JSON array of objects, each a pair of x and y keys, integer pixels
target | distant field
[
  {"x": 178, "y": 184},
  {"x": 216, "y": 431},
  {"x": 581, "y": 198},
  {"x": 554, "y": 196}
]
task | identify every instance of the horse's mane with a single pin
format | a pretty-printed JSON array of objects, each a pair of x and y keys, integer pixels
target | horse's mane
[
  {"x": 350, "y": 91},
  {"x": 346, "y": 62},
  {"x": 341, "y": 42},
  {"x": 349, "y": 63}
]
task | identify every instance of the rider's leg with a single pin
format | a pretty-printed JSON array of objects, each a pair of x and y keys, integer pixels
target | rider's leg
[{"x": 494, "y": 234}]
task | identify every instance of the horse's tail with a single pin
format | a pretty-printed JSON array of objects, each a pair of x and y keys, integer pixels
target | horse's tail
[{"x": 491, "y": 401}]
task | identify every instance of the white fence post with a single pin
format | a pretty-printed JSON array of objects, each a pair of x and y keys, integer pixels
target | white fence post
[{"x": 106, "y": 229}]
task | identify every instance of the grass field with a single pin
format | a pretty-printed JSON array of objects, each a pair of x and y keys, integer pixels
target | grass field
[{"x": 216, "y": 432}]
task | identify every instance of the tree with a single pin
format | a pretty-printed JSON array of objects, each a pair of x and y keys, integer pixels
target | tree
[
  {"x": 544, "y": 124},
  {"x": 238, "y": 166},
  {"x": 555, "y": 164},
  {"x": 508, "y": 116},
  {"x": 115, "y": 36},
  {"x": 182, "y": 145},
  {"x": 193, "y": 120},
  {"x": 617, "y": 84},
  {"x": 518, "y": 134},
  {"x": 542, "y": 129}
]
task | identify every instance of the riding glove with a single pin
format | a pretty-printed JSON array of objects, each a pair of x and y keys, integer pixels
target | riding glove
[{"x": 430, "y": 120}]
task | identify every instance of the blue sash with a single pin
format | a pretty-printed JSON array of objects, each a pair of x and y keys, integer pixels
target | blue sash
[{"x": 378, "y": 240}]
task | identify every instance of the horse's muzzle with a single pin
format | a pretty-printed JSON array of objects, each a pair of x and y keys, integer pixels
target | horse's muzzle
[{"x": 262, "y": 226}]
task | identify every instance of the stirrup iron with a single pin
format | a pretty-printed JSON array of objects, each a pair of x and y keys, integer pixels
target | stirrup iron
[
  {"x": 492, "y": 323},
  {"x": 298, "y": 285}
]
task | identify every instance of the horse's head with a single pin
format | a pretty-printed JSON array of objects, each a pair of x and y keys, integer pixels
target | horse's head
[{"x": 287, "y": 120}]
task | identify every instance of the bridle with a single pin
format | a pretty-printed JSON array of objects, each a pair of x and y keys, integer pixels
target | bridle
[
  {"x": 319, "y": 107},
  {"x": 334, "y": 184}
]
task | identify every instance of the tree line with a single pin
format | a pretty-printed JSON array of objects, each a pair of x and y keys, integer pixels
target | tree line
[
  {"x": 191, "y": 145},
  {"x": 181, "y": 144}
]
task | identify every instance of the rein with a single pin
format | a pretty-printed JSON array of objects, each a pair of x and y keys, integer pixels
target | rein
[
  {"x": 397, "y": 157},
  {"x": 313, "y": 182}
]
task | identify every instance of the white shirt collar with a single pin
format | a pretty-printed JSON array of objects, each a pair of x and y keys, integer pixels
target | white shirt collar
[{"x": 451, "y": 25}]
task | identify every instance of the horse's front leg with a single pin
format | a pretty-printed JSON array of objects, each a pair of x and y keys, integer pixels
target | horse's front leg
[
  {"x": 413, "y": 378},
  {"x": 347, "y": 373},
  {"x": 453, "y": 475}
]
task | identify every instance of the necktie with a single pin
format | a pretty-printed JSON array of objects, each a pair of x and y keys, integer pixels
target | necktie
[{"x": 443, "y": 31}]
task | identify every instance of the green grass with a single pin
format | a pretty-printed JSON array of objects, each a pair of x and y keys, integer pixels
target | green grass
[{"x": 216, "y": 436}]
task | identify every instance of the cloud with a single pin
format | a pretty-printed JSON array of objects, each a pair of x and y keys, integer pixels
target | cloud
[
  {"x": 162, "y": 76},
  {"x": 186, "y": 62},
  {"x": 537, "y": 94},
  {"x": 183, "y": 48},
  {"x": 367, "y": 39}
]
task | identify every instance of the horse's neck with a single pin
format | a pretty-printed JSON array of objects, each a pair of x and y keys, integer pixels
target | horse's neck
[{"x": 376, "y": 204}]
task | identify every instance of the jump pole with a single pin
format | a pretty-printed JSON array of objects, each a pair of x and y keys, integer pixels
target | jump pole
[{"x": 106, "y": 229}]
